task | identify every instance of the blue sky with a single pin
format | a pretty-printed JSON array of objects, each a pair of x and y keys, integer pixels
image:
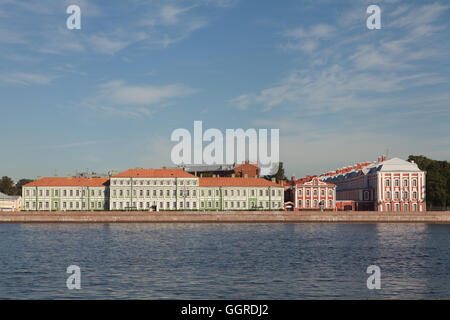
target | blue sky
[{"x": 108, "y": 96}]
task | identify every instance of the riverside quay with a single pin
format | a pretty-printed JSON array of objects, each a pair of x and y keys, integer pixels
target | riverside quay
[{"x": 153, "y": 189}]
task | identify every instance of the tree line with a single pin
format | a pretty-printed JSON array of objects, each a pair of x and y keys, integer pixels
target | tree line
[
  {"x": 7, "y": 186},
  {"x": 437, "y": 181}
]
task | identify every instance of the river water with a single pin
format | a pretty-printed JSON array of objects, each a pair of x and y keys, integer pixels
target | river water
[{"x": 224, "y": 261}]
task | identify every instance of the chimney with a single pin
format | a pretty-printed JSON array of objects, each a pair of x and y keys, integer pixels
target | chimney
[
  {"x": 293, "y": 178},
  {"x": 383, "y": 158},
  {"x": 379, "y": 159}
]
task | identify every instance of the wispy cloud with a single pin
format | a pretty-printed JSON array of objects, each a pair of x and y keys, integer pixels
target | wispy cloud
[
  {"x": 25, "y": 79},
  {"x": 116, "y": 98}
]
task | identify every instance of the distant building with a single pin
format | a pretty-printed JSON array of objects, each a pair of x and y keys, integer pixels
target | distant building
[
  {"x": 66, "y": 194},
  {"x": 311, "y": 193},
  {"x": 250, "y": 169},
  {"x": 10, "y": 203},
  {"x": 385, "y": 185},
  {"x": 153, "y": 189}
]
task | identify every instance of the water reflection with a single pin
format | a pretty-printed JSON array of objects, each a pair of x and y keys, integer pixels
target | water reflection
[{"x": 213, "y": 261}]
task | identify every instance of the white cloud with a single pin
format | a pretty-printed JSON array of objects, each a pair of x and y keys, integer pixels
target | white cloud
[
  {"x": 25, "y": 79},
  {"x": 116, "y": 98}
]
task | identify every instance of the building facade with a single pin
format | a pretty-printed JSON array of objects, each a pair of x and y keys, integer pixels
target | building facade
[
  {"x": 311, "y": 193},
  {"x": 385, "y": 185},
  {"x": 10, "y": 203},
  {"x": 152, "y": 189},
  {"x": 66, "y": 194},
  {"x": 240, "y": 194}
]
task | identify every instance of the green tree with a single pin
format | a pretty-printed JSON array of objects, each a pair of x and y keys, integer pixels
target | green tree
[
  {"x": 19, "y": 185},
  {"x": 437, "y": 181},
  {"x": 7, "y": 186},
  {"x": 279, "y": 175}
]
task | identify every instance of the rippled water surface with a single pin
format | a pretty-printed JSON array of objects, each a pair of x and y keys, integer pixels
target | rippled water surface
[{"x": 224, "y": 261}]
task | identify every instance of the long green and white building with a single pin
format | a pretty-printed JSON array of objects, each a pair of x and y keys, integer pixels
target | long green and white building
[{"x": 152, "y": 189}]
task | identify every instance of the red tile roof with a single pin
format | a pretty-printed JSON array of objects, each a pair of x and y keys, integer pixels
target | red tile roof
[
  {"x": 236, "y": 182},
  {"x": 68, "y": 182},
  {"x": 154, "y": 173},
  {"x": 310, "y": 178}
]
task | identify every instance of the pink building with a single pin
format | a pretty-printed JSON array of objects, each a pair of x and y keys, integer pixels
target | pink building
[
  {"x": 311, "y": 193},
  {"x": 385, "y": 185}
]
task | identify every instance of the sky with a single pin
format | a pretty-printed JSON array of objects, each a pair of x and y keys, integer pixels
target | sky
[{"x": 108, "y": 96}]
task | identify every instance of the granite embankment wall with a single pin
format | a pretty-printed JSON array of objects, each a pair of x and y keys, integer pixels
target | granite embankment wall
[{"x": 227, "y": 217}]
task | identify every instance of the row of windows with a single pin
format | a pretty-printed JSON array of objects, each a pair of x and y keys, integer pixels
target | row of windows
[
  {"x": 64, "y": 205},
  {"x": 153, "y": 182},
  {"x": 154, "y": 193},
  {"x": 397, "y": 182},
  {"x": 322, "y": 193},
  {"x": 191, "y": 205},
  {"x": 64, "y": 193},
  {"x": 315, "y": 203},
  {"x": 396, "y": 207},
  {"x": 397, "y": 195},
  {"x": 187, "y": 193}
]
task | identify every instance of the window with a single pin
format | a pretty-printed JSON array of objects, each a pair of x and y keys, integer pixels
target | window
[
  {"x": 92, "y": 205},
  {"x": 366, "y": 195},
  {"x": 388, "y": 195},
  {"x": 56, "y": 193},
  {"x": 406, "y": 195},
  {"x": 27, "y": 192},
  {"x": 300, "y": 203},
  {"x": 397, "y": 182},
  {"x": 194, "y": 205},
  {"x": 315, "y": 203},
  {"x": 99, "y": 205},
  {"x": 405, "y": 183},
  {"x": 307, "y": 192},
  {"x": 217, "y": 204},
  {"x": 330, "y": 193},
  {"x": 397, "y": 207},
  {"x": 307, "y": 203},
  {"x": 322, "y": 193},
  {"x": 415, "y": 183},
  {"x": 300, "y": 192},
  {"x": 388, "y": 183},
  {"x": 260, "y": 193},
  {"x": 330, "y": 203},
  {"x": 168, "y": 205},
  {"x": 397, "y": 195},
  {"x": 388, "y": 207},
  {"x": 414, "y": 195}
]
